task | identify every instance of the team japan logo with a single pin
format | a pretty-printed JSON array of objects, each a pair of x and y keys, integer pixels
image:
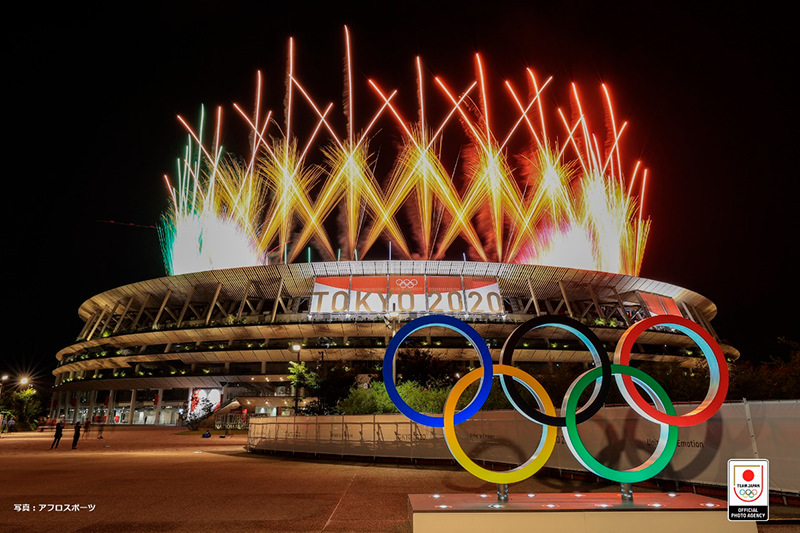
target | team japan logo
[
  {"x": 748, "y": 489},
  {"x": 748, "y": 482}
]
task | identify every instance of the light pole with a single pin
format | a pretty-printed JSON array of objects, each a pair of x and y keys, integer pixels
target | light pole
[
  {"x": 296, "y": 349},
  {"x": 393, "y": 316},
  {"x": 2, "y": 386}
]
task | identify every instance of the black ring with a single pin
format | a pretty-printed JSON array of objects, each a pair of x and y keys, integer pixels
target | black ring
[{"x": 514, "y": 396}]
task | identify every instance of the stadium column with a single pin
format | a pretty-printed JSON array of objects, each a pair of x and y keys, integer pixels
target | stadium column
[
  {"x": 158, "y": 407},
  {"x": 57, "y": 406},
  {"x": 92, "y": 398},
  {"x": 705, "y": 323},
  {"x": 87, "y": 325},
  {"x": 622, "y": 308},
  {"x": 278, "y": 300},
  {"x": 533, "y": 300},
  {"x": 59, "y": 399},
  {"x": 77, "y": 406},
  {"x": 97, "y": 323},
  {"x": 596, "y": 302},
  {"x": 54, "y": 403},
  {"x": 133, "y": 405},
  {"x": 185, "y": 306},
  {"x": 112, "y": 396},
  {"x": 123, "y": 315},
  {"x": 161, "y": 309}
]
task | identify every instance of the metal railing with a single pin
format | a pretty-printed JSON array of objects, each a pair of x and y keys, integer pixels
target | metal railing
[{"x": 231, "y": 421}]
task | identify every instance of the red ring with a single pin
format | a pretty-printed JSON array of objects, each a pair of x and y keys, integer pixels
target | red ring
[{"x": 708, "y": 407}]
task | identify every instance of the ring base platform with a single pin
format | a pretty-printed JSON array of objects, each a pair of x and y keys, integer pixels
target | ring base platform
[{"x": 584, "y": 512}]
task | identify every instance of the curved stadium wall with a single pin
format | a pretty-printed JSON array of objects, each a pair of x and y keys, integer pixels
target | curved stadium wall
[{"x": 152, "y": 349}]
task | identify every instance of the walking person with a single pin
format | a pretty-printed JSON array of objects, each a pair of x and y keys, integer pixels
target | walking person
[
  {"x": 86, "y": 426},
  {"x": 77, "y": 435},
  {"x": 58, "y": 434}
]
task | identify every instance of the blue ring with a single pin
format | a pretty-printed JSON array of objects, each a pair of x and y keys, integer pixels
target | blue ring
[{"x": 474, "y": 339}]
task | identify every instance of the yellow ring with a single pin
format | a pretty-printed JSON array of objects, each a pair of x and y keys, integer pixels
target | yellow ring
[{"x": 523, "y": 471}]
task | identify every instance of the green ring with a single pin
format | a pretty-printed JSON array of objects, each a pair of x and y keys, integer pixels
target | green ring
[{"x": 664, "y": 450}]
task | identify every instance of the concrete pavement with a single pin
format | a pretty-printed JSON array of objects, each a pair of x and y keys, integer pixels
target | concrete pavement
[{"x": 153, "y": 479}]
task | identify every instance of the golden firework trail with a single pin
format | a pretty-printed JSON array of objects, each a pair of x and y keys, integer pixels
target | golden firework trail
[
  {"x": 490, "y": 179},
  {"x": 419, "y": 169},
  {"x": 288, "y": 179},
  {"x": 563, "y": 204}
]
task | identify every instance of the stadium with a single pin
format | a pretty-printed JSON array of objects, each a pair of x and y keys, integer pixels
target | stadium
[
  {"x": 148, "y": 347},
  {"x": 540, "y": 219}
]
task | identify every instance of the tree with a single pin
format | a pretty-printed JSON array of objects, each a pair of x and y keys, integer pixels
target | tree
[
  {"x": 423, "y": 367},
  {"x": 775, "y": 380},
  {"x": 302, "y": 377},
  {"x": 329, "y": 386},
  {"x": 22, "y": 405}
]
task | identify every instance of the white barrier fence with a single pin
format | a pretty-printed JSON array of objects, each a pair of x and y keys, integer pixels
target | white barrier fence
[{"x": 617, "y": 436}]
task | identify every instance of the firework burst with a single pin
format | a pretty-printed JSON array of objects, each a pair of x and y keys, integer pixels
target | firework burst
[
  {"x": 564, "y": 204},
  {"x": 211, "y": 222}
]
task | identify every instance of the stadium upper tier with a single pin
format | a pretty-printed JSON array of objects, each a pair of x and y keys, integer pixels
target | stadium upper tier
[{"x": 212, "y": 327}]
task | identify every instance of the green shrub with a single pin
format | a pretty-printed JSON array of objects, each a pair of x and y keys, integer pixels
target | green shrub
[{"x": 375, "y": 399}]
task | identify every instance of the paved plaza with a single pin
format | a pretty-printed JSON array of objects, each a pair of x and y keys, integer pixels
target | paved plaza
[{"x": 155, "y": 479}]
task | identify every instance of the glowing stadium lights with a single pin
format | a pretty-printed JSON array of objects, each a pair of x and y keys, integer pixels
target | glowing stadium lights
[{"x": 562, "y": 204}]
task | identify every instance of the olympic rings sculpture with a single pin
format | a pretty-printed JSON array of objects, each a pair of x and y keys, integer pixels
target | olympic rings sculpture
[{"x": 625, "y": 377}]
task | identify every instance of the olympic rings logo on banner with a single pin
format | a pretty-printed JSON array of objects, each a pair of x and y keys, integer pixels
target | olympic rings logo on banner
[
  {"x": 625, "y": 377},
  {"x": 406, "y": 283},
  {"x": 748, "y": 493}
]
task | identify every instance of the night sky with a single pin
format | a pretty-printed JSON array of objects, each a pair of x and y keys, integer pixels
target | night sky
[{"x": 712, "y": 113}]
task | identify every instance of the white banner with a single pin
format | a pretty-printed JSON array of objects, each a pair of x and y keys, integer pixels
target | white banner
[
  {"x": 616, "y": 436},
  {"x": 406, "y": 294},
  {"x": 197, "y": 396}
]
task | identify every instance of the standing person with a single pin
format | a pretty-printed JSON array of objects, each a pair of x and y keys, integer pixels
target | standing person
[
  {"x": 77, "y": 435},
  {"x": 100, "y": 431},
  {"x": 57, "y": 437},
  {"x": 86, "y": 426},
  {"x": 4, "y": 422}
]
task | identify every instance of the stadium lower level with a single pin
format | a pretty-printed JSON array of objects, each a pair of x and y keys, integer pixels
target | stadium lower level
[{"x": 153, "y": 351}]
